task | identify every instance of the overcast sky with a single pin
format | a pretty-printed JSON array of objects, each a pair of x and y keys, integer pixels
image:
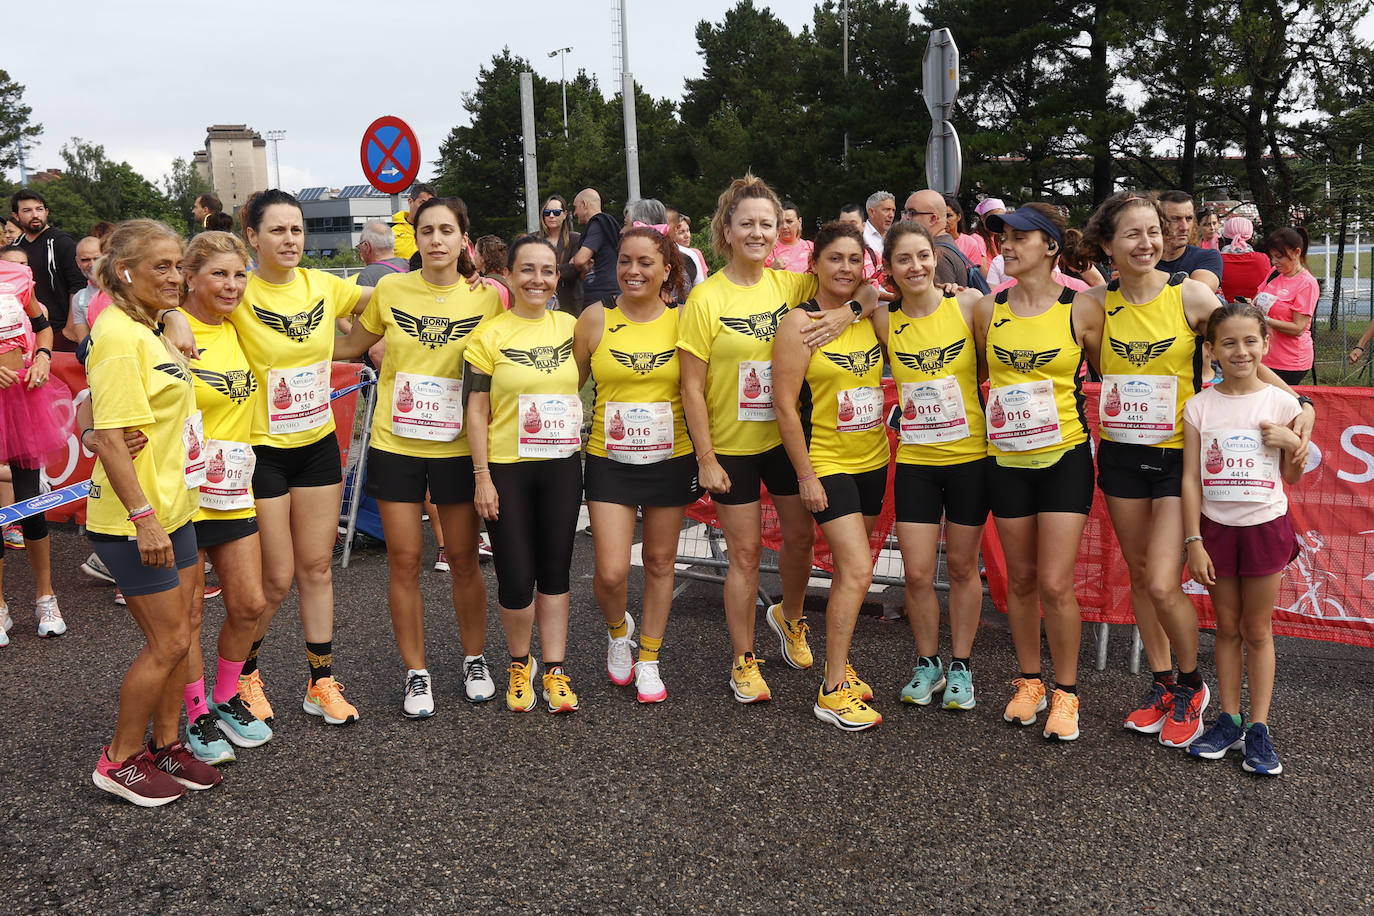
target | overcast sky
[{"x": 145, "y": 79}]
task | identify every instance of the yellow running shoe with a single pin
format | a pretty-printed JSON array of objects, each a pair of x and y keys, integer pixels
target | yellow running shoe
[
  {"x": 1027, "y": 703},
  {"x": 254, "y": 697},
  {"x": 520, "y": 695},
  {"x": 1062, "y": 722},
  {"x": 325, "y": 698},
  {"x": 844, "y": 709},
  {"x": 558, "y": 692},
  {"x": 791, "y": 636},
  {"x": 862, "y": 689},
  {"x": 747, "y": 681}
]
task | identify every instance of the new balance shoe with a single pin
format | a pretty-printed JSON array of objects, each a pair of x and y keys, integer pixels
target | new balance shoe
[
  {"x": 558, "y": 692},
  {"x": 6, "y": 624},
  {"x": 845, "y": 709},
  {"x": 50, "y": 622},
  {"x": 14, "y": 537},
  {"x": 483, "y": 548},
  {"x": 620, "y": 656},
  {"x": 1260, "y": 756},
  {"x": 1224, "y": 735},
  {"x": 324, "y": 698},
  {"x": 136, "y": 779},
  {"x": 958, "y": 688},
  {"x": 206, "y": 742},
  {"x": 254, "y": 696},
  {"x": 418, "y": 700},
  {"x": 1062, "y": 722},
  {"x": 925, "y": 680},
  {"x": 180, "y": 764},
  {"x": 477, "y": 680},
  {"x": 1028, "y": 701},
  {"x": 746, "y": 681},
  {"x": 119, "y": 599},
  {"x": 520, "y": 694},
  {"x": 1149, "y": 717},
  {"x": 648, "y": 684},
  {"x": 1184, "y": 725},
  {"x": 94, "y": 568},
  {"x": 791, "y": 637},
  {"x": 441, "y": 561},
  {"x": 212, "y": 590},
  {"x": 238, "y": 723}
]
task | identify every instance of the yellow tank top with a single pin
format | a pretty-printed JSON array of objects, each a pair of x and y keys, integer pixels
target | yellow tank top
[
  {"x": 935, "y": 366},
  {"x": 1151, "y": 364},
  {"x": 841, "y": 402},
  {"x": 1035, "y": 405},
  {"x": 638, "y": 412},
  {"x": 226, "y": 395}
]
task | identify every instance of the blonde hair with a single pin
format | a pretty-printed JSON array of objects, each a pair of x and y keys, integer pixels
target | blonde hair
[
  {"x": 128, "y": 245},
  {"x": 207, "y": 245},
  {"x": 741, "y": 189}
]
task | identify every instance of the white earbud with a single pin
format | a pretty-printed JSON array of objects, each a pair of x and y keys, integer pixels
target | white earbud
[{"x": 127, "y": 278}]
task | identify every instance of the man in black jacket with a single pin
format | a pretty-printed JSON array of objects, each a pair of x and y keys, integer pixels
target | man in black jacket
[{"x": 52, "y": 258}]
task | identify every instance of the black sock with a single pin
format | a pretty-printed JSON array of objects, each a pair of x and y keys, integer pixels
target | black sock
[
  {"x": 251, "y": 663},
  {"x": 1068, "y": 688},
  {"x": 321, "y": 658},
  {"x": 931, "y": 660},
  {"x": 552, "y": 667},
  {"x": 956, "y": 660},
  {"x": 1030, "y": 677},
  {"x": 520, "y": 660},
  {"x": 1190, "y": 679},
  {"x": 1164, "y": 677}
]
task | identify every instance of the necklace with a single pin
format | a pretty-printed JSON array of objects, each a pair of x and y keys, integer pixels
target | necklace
[{"x": 436, "y": 290}]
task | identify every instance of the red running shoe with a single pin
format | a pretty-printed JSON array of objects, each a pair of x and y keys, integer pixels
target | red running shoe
[
  {"x": 137, "y": 780},
  {"x": 1154, "y": 709},
  {"x": 1184, "y": 725},
  {"x": 180, "y": 764}
]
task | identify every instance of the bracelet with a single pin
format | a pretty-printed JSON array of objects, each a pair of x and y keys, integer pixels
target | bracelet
[
  {"x": 482, "y": 470},
  {"x": 702, "y": 456},
  {"x": 1190, "y": 540},
  {"x": 45, "y": 351},
  {"x": 1359, "y": 347},
  {"x": 82, "y": 438},
  {"x": 142, "y": 512},
  {"x": 811, "y": 476}
]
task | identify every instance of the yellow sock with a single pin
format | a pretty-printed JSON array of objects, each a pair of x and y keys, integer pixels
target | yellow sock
[
  {"x": 619, "y": 630},
  {"x": 648, "y": 648}
]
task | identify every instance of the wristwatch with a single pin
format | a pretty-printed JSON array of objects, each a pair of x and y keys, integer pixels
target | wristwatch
[
  {"x": 856, "y": 307},
  {"x": 1306, "y": 401}
]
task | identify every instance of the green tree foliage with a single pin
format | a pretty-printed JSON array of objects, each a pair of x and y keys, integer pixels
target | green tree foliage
[
  {"x": 181, "y": 186},
  {"x": 15, "y": 124}
]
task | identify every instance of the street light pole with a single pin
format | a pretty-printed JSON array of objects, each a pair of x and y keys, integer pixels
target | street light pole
[{"x": 561, "y": 53}]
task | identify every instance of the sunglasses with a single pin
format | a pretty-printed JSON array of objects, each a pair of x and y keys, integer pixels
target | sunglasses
[
  {"x": 553, "y": 212},
  {"x": 912, "y": 214}
]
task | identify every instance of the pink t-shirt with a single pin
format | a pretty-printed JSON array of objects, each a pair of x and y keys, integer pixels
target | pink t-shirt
[
  {"x": 96, "y": 306},
  {"x": 974, "y": 248},
  {"x": 1218, "y": 417},
  {"x": 794, "y": 258},
  {"x": 16, "y": 282},
  {"x": 1292, "y": 296}
]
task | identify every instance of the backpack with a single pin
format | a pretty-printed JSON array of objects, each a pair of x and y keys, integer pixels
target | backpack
[{"x": 976, "y": 280}]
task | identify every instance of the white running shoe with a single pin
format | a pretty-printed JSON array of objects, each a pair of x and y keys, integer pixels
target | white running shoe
[
  {"x": 648, "y": 685},
  {"x": 50, "y": 622},
  {"x": 483, "y": 547},
  {"x": 419, "y": 696},
  {"x": 96, "y": 569},
  {"x": 477, "y": 680},
  {"x": 6, "y": 624},
  {"x": 620, "y": 656}
]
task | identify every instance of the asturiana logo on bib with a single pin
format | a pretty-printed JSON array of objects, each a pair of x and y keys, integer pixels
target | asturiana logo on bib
[
  {"x": 428, "y": 389},
  {"x": 1016, "y": 397},
  {"x": 555, "y": 408},
  {"x": 303, "y": 379},
  {"x": 1242, "y": 444},
  {"x": 1137, "y": 388},
  {"x": 238, "y": 454},
  {"x": 638, "y": 415},
  {"x": 925, "y": 393}
]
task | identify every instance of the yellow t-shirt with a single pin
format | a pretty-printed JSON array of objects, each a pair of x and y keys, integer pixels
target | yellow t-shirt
[
  {"x": 287, "y": 331},
  {"x": 135, "y": 383},
  {"x": 731, "y": 328},
  {"x": 226, "y": 395},
  {"x": 935, "y": 368},
  {"x": 535, "y": 410},
  {"x": 636, "y": 369},
  {"x": 841, "y": 402},
  {"x": 426, "y": 328}
]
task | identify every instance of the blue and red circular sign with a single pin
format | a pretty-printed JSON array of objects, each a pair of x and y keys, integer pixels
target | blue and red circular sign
[{"x": 390, "y": 155}]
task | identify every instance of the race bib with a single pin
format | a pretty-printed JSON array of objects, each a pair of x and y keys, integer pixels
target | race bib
[
  {"x": 1265, "y": 301},
  {"x": 1238, "y": 467},
  {"x": 756, "y": 390},
  {"x": 933, "y": 412},
  {"x": 550, "y": 425},
  {"x": 426, "y": 407},
  {"x": 228, "y": 475},
  {"x": 858, "y": 409},
  {"x": 11, "y": 317},
  {"x": 1138, "y": 409},
  {"x": 298, "y": 399},
  {"x": 193, "y": 442},
  {"x": 639, "y": 433},
  {"x": 1024, "y": 417}
]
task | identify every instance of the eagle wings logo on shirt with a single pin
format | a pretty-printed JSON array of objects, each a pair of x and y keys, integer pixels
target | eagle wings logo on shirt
[
  {"x": 174, "y": 371},
  {"x": 762, "y": 325},
  {"x": 237, "y": 385},
  {"x": 932, "y": 359},
  {"x": 857, "y": 361},
  {"x": 643, "y": 362},
  {"x": 1025, "y": 360},
  {"x": 1140, "y": 352},
  {"x": 434, "y": 332},
  {"x": 545, "y": 359},
  {"x": 298, "y": 327}
]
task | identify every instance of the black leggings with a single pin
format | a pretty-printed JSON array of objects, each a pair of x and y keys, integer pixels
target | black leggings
[
  {"x": 25, "y": 482},
  {"x": 532, "y": 541}
]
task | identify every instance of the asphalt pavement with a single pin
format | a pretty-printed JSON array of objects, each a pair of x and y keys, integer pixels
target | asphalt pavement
[{"x": 697, "y": 804}]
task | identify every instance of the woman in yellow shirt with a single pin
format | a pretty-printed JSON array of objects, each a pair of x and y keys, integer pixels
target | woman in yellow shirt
[
  {"x": 138, "y": 515},
  {"x": 524, "y": 421},
  {"x": 639, "y": 455},
  {"x": 829, "y": 402},
  {"x": 419, "y": 443}
]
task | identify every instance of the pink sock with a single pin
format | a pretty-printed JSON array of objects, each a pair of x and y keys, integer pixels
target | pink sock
[
  {"x": 226, "y": 680},
  {"x": 194, "y": 694}
]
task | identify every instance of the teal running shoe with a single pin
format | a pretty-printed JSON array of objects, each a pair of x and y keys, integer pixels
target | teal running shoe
[
  {"x": 206, "y": 743},
  {"x": 240, "y": 725},
  {"x": 927, "y": 679},
  {"x": 958, "y": 688}
]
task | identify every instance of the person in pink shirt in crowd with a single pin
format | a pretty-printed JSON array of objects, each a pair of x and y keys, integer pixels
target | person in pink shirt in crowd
[
  {"x": 970, "y": 243},
  {"x": 1288, "y": 299},
  {"x": 1243, "y": 268},
  {"x": 985, "y": 208},
  {"x": 792, "y": 252},
  {"x": 1208, "y": 229}
]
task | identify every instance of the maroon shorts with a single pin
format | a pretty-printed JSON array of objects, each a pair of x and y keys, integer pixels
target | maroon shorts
[{"x": 1250, "y": 551}]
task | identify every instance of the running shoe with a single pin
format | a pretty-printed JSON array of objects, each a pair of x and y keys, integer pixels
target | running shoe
[
  {"x": 212, "y": 591},
  {"x": 925, "y": 680},
  {"x": 477, "y": 681},
  {"x": 1027, "y": 702},
  {"x": 96, "y": 569},
  {"x": 180, "y": 764},
  {"x": 254, "y": 696},
  {"x": 520, "y": 694},
  {"x": 648, "y": 685},
  {"x": 441, "y": 561},
  {"x": 207, "y": 743},
  {"x": 483, "y": 547},
  {"x": 747, "y": 681},
  {"x": 791, "y": 636},
  {"x": 1184, "y": 725},
  {"x": 1062, "y": 722},
  {"x": 958, "y": 688},
  {"x": 119, "y": 599},
  {"x": 859, "y": 685},
  {"x": 1224, "y": 735},
  {"x": 239, "y": 724},
  {"x": 137, "y": 780},
  {"x": 1149, "y": 717},
  {"x": 6, "y": 624},
  {"x": 1260, "y": 756},
  {"x": 14, "y": 537},
  {"x": 558, "y": 692},
  {"x": 418, "y": 700},
  {"x": 50, "y": 622},
  {"x": 620, "y": 656},
  {"x": 325, "y": 698},
  {"x": 844, "y": 709}
]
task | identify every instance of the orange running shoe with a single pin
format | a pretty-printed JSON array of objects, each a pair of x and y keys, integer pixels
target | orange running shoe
[
  {"x": 324, "y": 698},
  {"x": 1062, "y": 722},
  {"x": 254, "y": 697},
  {"x": 1027, "y": 703}
]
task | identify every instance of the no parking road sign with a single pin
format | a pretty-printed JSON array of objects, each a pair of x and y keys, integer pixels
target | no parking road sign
[{"x": 390, "y": 155}]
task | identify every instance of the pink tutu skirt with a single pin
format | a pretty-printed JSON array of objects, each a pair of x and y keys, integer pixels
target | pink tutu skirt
[{"x": 34, "y": 424}]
